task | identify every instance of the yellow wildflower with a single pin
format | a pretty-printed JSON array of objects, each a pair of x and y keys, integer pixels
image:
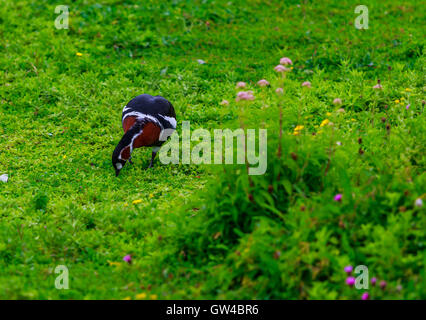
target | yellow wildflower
[
  {"x": 153, "y": 297},
  {"x": 113, "y": 263},
  {"x": 297, "y": 130},
  {"x": 328, "y": 114},
  {"x": 79, "y": 54},
  {"x": 246, "y": 281},
  {"x": 141, "y": 296},
  {"x": 65, "y": 157},
  {"x": 126, "y": 204},
  {"x": 397, "y": 101},
  {"x": 151, "y": 196},
  {"x": 137, "y": 201},
  {"x": 353, "y": 119},
  {"x": 127, "y": 298},
  {"x": 324, "y": 122},
  {"x": 408, "y": 89}
]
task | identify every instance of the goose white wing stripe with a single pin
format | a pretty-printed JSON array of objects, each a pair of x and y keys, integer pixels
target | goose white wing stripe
[
  {"x": 133, "y": 139},
  {"x": 131, "y": 144},
  {"x": 170, "y": 120},
  {"x": 141, "y": 116}
]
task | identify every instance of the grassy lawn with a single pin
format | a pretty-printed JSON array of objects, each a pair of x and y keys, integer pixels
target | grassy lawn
[{"x": 213, "y": 231}]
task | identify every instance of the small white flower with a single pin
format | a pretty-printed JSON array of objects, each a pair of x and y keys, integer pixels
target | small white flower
[
  {"x": 201, "y": 61},
  {"x": 4, "y": 177},
  {"x": 338, "y": 143},
  {"x": 419, "y": 202}
]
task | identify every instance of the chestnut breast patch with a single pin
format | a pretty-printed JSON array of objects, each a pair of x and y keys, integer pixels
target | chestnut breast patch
[
  {"x": 150, "y": 135},
  {"x": 128, "y": 123},
  {"x": 125, "y": 153}
]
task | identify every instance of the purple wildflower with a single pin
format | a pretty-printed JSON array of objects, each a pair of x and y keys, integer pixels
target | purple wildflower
[
  {"x": 348, "y": 269},
  {"x": 338, "y": 197},
  {"x": 350, "y": 281},
  {"x": 337, "y": 101},
  {"x": 127, "y": 258},
  {"x": 285, "y": 61}
]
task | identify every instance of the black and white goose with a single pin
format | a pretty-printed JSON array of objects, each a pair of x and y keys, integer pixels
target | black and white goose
[{"x": 147, "y": 122}]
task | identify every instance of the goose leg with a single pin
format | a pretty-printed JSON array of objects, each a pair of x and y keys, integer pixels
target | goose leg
[{"x": 154, "y": 153}]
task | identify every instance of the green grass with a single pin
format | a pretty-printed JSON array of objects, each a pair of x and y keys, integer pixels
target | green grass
[{"x": 209, "y": 231}]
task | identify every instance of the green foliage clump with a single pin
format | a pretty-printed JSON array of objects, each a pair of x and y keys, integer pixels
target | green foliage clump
[{"x": 283, "y": 236}]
